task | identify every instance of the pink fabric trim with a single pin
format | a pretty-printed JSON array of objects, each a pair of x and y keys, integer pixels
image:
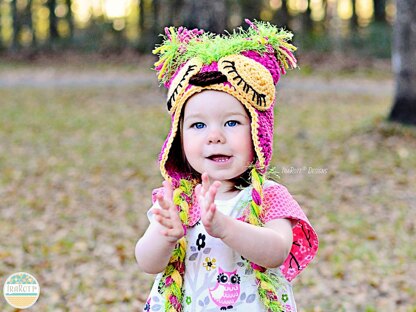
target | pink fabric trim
[{"x": 279, "y": 204}]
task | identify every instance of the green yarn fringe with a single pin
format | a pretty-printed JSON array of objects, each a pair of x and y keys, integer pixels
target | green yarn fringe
[{"x": 209, "y": 47}]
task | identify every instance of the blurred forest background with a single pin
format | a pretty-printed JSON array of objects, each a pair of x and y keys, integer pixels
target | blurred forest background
[{"x": 113, "y": 25}]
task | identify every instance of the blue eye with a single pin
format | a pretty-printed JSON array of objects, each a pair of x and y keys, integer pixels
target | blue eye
[
  {"x": 198, "y": 125},
  {"x": 231, "y": 123}
]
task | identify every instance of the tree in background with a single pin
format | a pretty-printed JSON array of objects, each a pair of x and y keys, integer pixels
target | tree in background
[
  {"x": 70, "y": 18},
  {"x": 379, "y": 11},
  {"x": 29, "y": 21},
  {"x": 250, "y": 9},
  {"x": 306, "y": 19},
  {"x": 148, "y": 23},
  {"x": 53, "y": 21},
  {"x": 145, "y": 20},
  {"x": 16, "y": 25},
  {"x": 208, "y": 15},
  {"x": 354, "y": 17},
  {"x": 281, "y": 17},
  {"x": 404, "y": 63}
]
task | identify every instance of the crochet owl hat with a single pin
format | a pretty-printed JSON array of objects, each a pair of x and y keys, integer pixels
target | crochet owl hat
[{"x": 246, "y": 64}]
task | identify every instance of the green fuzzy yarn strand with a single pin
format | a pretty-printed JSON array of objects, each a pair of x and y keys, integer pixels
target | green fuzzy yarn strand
[
  {"x": 209, "y": 47},
  {"x": 171, "y": 274},
  {"x": 257, "y": 181},
  {"x": 267, "y": 291}
]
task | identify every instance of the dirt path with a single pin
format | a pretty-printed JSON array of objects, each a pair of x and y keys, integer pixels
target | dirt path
[{"x": 45, "y": 78}]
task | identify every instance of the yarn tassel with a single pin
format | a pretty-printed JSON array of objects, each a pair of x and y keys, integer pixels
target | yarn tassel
[
  {"x": 267, "y": 283},
  {"x": 175, "y": 271}
]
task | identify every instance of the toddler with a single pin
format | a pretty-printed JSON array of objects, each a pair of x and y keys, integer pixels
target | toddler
[{"x": 222, "y": 236}]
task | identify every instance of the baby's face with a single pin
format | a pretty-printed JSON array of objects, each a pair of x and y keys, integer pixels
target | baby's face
[{"x": 217, "y": 135}]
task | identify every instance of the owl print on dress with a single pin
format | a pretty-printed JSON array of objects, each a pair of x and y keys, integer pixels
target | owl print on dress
[{"x": 227, "y": 290}]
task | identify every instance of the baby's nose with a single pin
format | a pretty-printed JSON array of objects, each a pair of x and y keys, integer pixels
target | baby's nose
[{"x": 216, "y": 136}]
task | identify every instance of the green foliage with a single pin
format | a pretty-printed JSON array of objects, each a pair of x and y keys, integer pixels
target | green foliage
[{"x": 374, "y": 40}]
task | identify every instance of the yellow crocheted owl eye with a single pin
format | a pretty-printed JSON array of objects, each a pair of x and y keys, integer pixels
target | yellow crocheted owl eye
[
  {"x": 251, "y": 79},
  {"x": 181, "y": 81}
]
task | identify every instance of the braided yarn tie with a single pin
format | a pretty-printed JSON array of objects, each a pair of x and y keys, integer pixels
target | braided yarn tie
[
  {"x": 174, "y": 273},
  {"x": 267, "y": 283}
]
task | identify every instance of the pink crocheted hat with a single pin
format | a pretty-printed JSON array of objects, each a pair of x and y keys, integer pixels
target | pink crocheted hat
[{"x": 246, "y": 64}]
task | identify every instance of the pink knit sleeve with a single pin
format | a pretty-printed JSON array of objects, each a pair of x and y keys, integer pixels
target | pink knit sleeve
[{"x": 277, "y": 204}]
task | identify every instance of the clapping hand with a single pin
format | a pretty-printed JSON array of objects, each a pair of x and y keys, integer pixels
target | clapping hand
[
  {"x": 212, "y": 219},
  {"x": 167, "y": 215}
]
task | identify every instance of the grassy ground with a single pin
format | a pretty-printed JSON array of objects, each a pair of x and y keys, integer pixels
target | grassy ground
[{"x": 78, "y": 165}]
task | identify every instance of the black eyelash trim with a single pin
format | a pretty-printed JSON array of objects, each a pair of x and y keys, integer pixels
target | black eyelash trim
[
  {"x": 175, "y": 92},
  {"x": 259, "y": 98},
  {"x": 219, "y": 277}
]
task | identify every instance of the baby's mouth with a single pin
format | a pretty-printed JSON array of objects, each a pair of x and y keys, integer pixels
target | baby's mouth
[{"x": 219, "y": 158}]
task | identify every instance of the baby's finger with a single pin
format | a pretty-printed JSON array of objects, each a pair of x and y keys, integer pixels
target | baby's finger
[
  {"x": 176, "y": 232},
  {"x": 174, "y": 217},
  {"x": 210, "y": 213},
  {"x": 163, "y": 203},
  {"x": 212, "y": 192},
  {"x": 168, "y": 190},
  {"x": 161, "y": 212},
  {"x": 166, "y": 222},
  {"x": 205, "y": 182},
  {"x": 172, "y": 234},
  {"x": 198, "y": 190},
  {"x": 200, "y": 195}
]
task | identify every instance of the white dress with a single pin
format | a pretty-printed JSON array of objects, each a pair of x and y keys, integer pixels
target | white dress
[{"x": 216, "y": 277}]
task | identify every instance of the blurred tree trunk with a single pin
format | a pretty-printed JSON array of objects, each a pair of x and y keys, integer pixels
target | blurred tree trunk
[
  {"x": 29, "y": 21},
  {"x": 379, "y": 11},
  {"x": 172, "y": 9},
  {"x": 281, "y": 17},
  {"x": 354, "y": 17},
  {"x": 250, "y": 9},
  {"x": 70, "y": 18},
  {"x": 404, "y": 63},
  {"x": 16, "y": 25},
  {"x": 148, "y": 24},
  {"x": 53, "y": 21},
  {"x": 306, "y": 19},
  {"x": 141, "y": 16},
  {"x": 1, "y": 31},
  {"x": 156, "y": 10},
  {"x": 208, "y": 15}
]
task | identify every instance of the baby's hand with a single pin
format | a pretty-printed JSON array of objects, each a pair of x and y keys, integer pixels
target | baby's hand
[
  {"x": 167, "y": 216},
  {"x": 213, "y": 220}
]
